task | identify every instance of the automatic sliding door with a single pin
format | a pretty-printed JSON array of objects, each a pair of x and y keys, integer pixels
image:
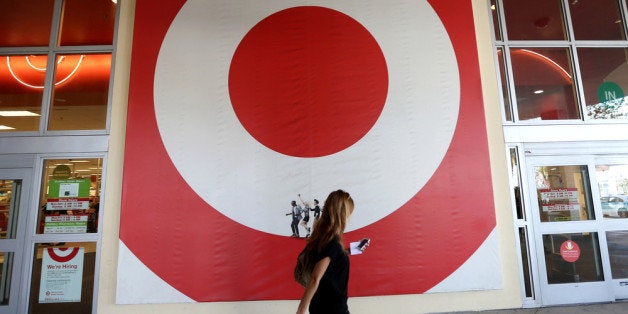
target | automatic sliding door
[
  {"x": 14, "y": 187},
  {"x": 567, "y": 232},
  {"x": 612, "y": 182}
]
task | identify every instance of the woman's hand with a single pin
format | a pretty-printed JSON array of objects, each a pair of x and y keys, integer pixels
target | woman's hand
[
  {"x": 362, "y": 247},
  {"x": 358, "y": 247}
]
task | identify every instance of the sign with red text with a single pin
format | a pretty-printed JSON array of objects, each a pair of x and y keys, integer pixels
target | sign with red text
[
  {"x": 268, "y": 106},
  {"x": 65, "y": 223},
  {"x": 561, "y": 207},
  {"x": 61, "y": 275},
  {"x": 559, "y": 199}
]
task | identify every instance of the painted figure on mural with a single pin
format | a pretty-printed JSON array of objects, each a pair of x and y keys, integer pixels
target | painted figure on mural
[
  {"x": 296, "y": 213},
  {"x": 306, "y": 218},
  {"x": 316, "y": 210}
]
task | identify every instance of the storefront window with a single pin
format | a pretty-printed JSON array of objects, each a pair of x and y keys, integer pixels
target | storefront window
[
  {"x": 516, "y": 181},
  {"x": 70, "y": 200},
  {"x": 62, "y": 280},
  {"x": 29, "y": 23},
  {"x": 79, "y": 84},
  {"x": 80, "y": 93},
  {"x": 504, "y": 82},
  {"x": 87, "y": 22},
  {"x": 603, "y": 78},
  {"x": 596, "y": 20},
  {"x": 613, "y": 185},
  {"x": 572, "y": 258},
  {"x": 525, "y": 263},
  {"x": 618, "y": 253},
  {"x": 9, "y": 198},
  {"x": 544, "y": 84},
  {"x": 21, "y": 89},
  {"x": 6, "y": 263},
  {"x": 495, "y": 15},
  {"x": 534, "y": 20},
  {"x": 545, "y": 44},
  {"x": 563, "y": 194}
]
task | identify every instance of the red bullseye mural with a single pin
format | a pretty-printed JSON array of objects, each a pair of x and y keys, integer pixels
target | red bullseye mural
[{"x": 267, "y": 103}]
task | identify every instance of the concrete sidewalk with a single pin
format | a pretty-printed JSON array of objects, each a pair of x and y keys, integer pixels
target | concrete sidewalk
[{"x": 616, "y": 307}]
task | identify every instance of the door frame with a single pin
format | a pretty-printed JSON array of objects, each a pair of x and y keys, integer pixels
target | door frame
[
  {"x": 31, "y": 165},
  {"x": 34, "y": 238},
  {"x": 619, "y": 285},
  {"x": 17, "y": 245},
  {"x": 555, "y": 294}
]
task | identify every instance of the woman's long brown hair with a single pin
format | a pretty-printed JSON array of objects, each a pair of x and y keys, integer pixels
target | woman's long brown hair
[{"x": 331, "y": 225}]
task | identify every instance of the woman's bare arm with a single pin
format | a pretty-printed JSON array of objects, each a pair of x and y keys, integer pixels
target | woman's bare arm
[{"x": 315, "y": 278}]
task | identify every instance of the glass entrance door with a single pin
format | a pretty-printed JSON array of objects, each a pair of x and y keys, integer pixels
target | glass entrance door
[
  {"x": 14, "y": 189},
  {"x": 570, "y": 231},
  {"x": 49, "y": 240},
  {"x": 611, "y": 176}
]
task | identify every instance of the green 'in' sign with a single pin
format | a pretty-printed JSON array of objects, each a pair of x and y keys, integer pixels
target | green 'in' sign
[{"x": 609, "y": 92}]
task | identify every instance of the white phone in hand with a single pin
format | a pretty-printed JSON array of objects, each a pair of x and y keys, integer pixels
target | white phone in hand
[{"x": 359, "y": 247}]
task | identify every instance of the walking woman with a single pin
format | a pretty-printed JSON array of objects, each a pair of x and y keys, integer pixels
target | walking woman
[{"x": 326, "y": 290}]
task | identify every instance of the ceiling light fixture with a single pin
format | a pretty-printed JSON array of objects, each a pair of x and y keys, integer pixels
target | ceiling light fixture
[
  {"x": 34, "y": 67},
  {"x": 552, "y": 62},
  {"x": 76, "y": 67},
  {"x": 17, "y": 113}
]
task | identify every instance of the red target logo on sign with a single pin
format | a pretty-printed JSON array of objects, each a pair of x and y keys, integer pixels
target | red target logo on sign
[
  {"x": 62, "y": 255},
  {"x": 261, "y": 101}
]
